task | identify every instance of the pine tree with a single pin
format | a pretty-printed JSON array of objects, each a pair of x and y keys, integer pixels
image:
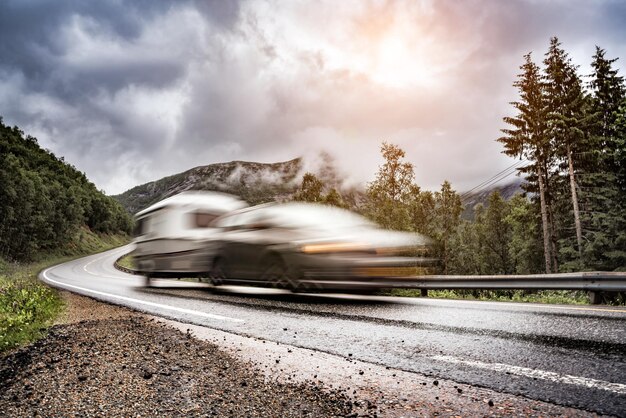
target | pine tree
[
  {"x": 604, "y": 183},
  {"x": 527, "y": 138},
  {"x": 565, "y": 118}
]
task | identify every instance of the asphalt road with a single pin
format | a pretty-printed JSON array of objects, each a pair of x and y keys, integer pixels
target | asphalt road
[{"x": 569, "y": 355}]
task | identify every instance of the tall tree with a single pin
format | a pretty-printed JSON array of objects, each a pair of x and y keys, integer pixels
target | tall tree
[
  {"x": 608, "y": 94},
  {"x": 604, "y": 183},
  {"x": 565, "y": 118},
  {"x": 527, "y": 138}
]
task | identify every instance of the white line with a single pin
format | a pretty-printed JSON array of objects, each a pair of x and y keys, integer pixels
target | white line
[
  {"x": 538, "y": 374},
  {"x": 106, "y": 255},
  {"x": 142, "y": 302}
]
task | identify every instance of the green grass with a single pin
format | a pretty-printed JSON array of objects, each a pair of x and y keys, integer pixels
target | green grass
[
  {"x": 127, "y": 261},
  {"x": 564, "y": 297},
  {"x": 28, "y": 306}
]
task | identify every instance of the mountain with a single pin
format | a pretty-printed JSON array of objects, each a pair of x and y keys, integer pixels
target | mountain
[
  {"x": 254, "y": 182},
  {"x": 481, "y": 196},
  {"x": 266, "y": 182}
]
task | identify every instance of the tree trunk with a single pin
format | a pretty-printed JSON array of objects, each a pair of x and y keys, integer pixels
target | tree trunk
[
  {"x": 544, "y": 221},
  {"x": 572, "y": 182},
  {"x": 554, "y": 240}
]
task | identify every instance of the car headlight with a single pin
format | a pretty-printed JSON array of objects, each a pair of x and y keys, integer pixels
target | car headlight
[{"x": 334, "y": 247}]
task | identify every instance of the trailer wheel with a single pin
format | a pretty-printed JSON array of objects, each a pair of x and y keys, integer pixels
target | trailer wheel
[{"x": 217, "y": 274}]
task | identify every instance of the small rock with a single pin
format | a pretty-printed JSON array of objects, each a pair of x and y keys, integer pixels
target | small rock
[{"x": 436, "y": 383}]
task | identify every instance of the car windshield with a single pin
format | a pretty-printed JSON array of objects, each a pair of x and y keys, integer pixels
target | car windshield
[{"x": 314, "y": 216}]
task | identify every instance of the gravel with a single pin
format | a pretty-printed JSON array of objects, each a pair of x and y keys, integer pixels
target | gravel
[{"x": 134, "y": 366}]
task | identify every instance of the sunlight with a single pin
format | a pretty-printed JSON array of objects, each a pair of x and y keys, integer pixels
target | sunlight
[{"x": 396, "y": 64}]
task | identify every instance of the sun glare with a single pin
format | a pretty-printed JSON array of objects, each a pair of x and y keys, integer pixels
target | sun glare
[
  {"x": 396, "y": 64},
  {"x": 394, "y": 58}
]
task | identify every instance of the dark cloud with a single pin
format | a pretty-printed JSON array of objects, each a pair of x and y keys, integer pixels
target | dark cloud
[{"x": 130, "y": 91}]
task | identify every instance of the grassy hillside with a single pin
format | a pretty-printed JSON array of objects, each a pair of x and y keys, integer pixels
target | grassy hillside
[
  {"x": 44, "y": 201},
  {"x": 49, "y": 212},
  {"x": 27, "y": 306}
]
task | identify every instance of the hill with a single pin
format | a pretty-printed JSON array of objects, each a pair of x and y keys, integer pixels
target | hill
[
  {"x": 507, "y": 191},
  {"x": 45, "y": 202},
  {"x": 253, "y": 182}
]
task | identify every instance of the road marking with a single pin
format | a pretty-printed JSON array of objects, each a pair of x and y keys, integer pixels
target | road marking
[
  {"x": 538, "y": 374},
  {"x": 98, "y": 259},
  {"x": 142, "y": 302}
]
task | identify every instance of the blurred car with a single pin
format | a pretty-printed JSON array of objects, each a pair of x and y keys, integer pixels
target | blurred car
[
  {"x": 174, "y": 237},
  {"x": 305, "y": 246}
]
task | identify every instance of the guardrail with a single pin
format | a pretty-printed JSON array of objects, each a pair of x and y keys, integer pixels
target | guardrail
[
  {"x": 594, "y": 282},
  {"x": 591, "y": 281}
]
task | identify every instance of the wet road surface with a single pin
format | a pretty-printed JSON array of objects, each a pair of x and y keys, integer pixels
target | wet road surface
[{"x": 568, "y": 355}]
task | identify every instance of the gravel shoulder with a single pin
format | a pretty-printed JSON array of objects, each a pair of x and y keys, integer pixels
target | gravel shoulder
[{"x": 104, "y": 360}]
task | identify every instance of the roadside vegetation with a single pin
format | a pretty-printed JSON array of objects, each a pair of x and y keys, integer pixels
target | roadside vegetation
[
  {"x": 558, "y": 297},
  {"x": 44, "y": 201},
  {"x": 49, "y": 212},
  {"x": 127, "y": 261},
  {"x": 28, "y": 306}
]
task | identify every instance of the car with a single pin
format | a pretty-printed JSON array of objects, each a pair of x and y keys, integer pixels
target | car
[
  {"x": 173, "y": 237},
  {"x": 313, "y": 247}
]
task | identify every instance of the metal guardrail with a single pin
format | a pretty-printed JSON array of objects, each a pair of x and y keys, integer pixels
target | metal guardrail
[
  {"x": 590, "y": 281},
  {"x": 593, "y": 282}
]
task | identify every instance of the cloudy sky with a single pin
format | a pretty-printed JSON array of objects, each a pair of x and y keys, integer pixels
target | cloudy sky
[{"x": 131, "y": 91}]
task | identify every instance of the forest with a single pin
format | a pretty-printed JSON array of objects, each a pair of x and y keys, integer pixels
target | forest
[
  {"x": 570, "y": 141},
  {"x": 44, "y": 201}
]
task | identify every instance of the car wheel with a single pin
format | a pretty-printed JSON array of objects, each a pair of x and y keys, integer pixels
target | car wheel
[
  {"x": 217, "y": 274},
  {"x": 277, "y": 274}
]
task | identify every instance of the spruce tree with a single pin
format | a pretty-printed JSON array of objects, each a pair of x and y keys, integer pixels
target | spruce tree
[
  {"x": 527, "y": 138},
  {"x": 603, "y": 186},
  {"x": 565, "y": 120}
]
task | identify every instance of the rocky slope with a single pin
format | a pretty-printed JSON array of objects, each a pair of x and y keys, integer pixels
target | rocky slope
[{"x": 253, "y": 182}]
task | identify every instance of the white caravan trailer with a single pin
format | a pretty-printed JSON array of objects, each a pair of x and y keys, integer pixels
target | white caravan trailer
[{"x": 174, "y": 237}]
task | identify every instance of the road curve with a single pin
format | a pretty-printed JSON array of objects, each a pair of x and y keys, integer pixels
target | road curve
[{"x": 569, "y": 355}]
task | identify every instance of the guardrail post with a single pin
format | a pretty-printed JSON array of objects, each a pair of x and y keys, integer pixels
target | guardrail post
[
  {"x": 595, "y": 298},
  {"x": 424, "y": 293}
]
